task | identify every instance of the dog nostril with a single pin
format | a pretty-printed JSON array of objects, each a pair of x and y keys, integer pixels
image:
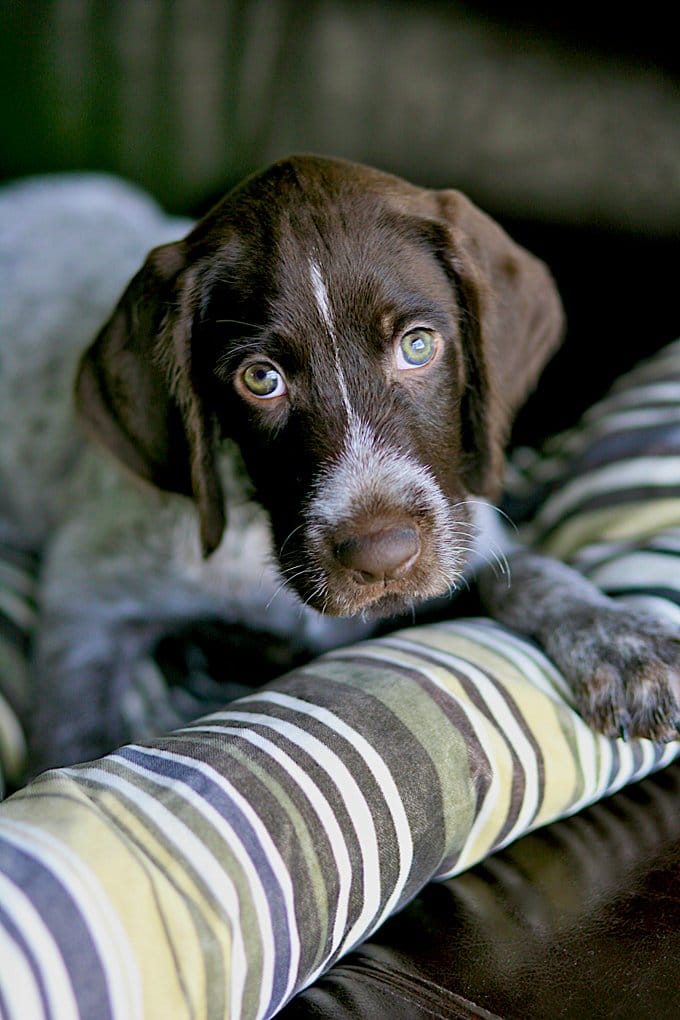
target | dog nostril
[{"x": 382, "y": 555}]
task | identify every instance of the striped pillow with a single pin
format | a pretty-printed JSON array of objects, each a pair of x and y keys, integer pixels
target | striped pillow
[
  {"x": 217, "y": 870},
  {"x": 18, "y": 570}
]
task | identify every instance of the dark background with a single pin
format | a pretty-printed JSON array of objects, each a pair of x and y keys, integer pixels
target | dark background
[{"x": 563, "y": 123}]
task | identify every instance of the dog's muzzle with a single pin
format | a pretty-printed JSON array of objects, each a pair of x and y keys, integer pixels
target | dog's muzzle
[{"x": 379, "y": 534}]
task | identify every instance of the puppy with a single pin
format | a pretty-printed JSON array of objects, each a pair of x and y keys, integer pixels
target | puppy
[{"x": 325, "y": 368}]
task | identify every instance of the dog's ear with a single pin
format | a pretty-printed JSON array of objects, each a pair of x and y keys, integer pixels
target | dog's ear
[
  {"x": 514, "y": 322},
  {"x": 136, "y": 393}
]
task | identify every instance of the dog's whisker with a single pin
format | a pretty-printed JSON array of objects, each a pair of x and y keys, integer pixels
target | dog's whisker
[
  {"x": 239, "y": 322},
  {"x": 287, "y": 580},
  {"x": 296, "y": 571},
  {"x": 498, "y": 563},
  {"x": 289, "y": 536},
  {"x": 495, "y": 509},
  {"x": 317, "y": 591},
  {"x": 497, "y": 553}
]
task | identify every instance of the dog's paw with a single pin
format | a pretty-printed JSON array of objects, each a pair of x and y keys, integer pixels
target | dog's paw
[{"x": 624, "y": 667}]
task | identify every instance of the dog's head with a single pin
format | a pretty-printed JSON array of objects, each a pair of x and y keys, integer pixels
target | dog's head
[{"x": 364, "y": 341}]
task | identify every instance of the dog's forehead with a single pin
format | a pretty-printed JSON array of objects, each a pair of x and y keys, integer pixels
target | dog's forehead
[
  {"x": 347, "y": 258},
  {"x": 312, "y": 235}
]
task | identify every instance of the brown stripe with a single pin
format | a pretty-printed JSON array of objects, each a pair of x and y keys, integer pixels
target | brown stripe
[{"x": 519, "y": 776}]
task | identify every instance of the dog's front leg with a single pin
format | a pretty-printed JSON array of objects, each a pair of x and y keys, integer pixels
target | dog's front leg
[
  {"x": 84, "y": 667},
  {"x": 623, "y": 665}
]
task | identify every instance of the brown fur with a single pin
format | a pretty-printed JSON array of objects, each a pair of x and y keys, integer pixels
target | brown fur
[{"x": 157, "y": 386}]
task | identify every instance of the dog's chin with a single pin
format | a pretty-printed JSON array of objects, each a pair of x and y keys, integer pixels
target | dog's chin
[{"x": 375, "y": 601}]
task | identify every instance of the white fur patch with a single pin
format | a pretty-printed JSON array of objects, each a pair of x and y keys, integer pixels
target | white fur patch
[
  {"x": 369, "y": 473},
  {"x": 323, "y": 305}
]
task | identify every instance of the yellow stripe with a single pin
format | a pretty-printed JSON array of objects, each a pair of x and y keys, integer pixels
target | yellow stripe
[
  {"x": 13, "y": 749},
  {"x": 629, "y": 522},
  {"x": 149, "y": 890},
  {"x": 543, "y": 715},
  {"x": 421, "y": 716}
]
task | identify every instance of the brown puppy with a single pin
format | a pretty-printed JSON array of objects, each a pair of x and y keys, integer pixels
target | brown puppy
[
  {"x": 364, "y": 341},
  {"x": 349, "y": 350}
]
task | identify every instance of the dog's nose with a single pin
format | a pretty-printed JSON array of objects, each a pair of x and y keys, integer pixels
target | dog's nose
[{"x": 381, "y": 555}]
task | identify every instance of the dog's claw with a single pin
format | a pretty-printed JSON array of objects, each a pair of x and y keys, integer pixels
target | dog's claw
[{"x": 625, "y": 668}]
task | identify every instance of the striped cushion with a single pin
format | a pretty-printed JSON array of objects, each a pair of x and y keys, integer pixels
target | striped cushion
[
  {"x": 18, "y": 571},
  {"x": 215, "y": 871}
]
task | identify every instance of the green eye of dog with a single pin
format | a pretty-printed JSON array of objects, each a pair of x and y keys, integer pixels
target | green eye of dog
[
  {"x": 416, "y": 348},
  {"x": 263, "y": 381}
]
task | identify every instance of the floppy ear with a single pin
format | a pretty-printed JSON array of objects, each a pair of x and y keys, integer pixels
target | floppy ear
[
  {"x": 514, "y": 323},
  {"x": 136, "y": 395}
]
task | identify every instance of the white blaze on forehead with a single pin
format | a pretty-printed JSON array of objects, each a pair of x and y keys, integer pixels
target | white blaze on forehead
[
  {"x": 323, "y": 305},
  {"x": 321, "y": 296}
]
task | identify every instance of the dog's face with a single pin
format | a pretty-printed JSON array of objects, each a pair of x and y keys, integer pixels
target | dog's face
[{"x": 365, "y": 342}]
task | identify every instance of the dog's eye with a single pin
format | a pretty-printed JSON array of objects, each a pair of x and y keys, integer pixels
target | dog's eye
[
  {"x": 416, "y": 348},
  {"x": 263, "y": 380}
]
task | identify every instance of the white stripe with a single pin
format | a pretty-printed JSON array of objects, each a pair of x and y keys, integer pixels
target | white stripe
[
  {"x": 376, "y": 767},
  {"x": 593, "y": 756},
  {"x": 626, "y": 767},
  {"x": 120, "y": 967},
  {"x": 668, "y": 540},
  {"x": 595, "y": 555},
  {"x": 19, "y": 993},
  {"x": 595, "y": 751},
  {"x": 231, "y": 838},
  {"x": 358, "y": 809},
  {"x": 578, "y": 439},
  {"x": 319, "y": 804},
  {"x": 481, "y": 727},
  {"x": 190, "y": 848},
  {"x": 653, "y": 393},
  {"x": 638, "y": 569},
  {"x": 601, "y": 554},
  {"x": 323, "y": 305},
  {"x": 637, "y": 472},
  {"x": 20, "y": 990},
  {"x": 321, "y": 296},
  {"x": 631, "y": 419},
  {"x": 506, "y": 723},
  {"x": 530, "y": 661},
  {"x": 662, "y": 609},
  {"x": 96, "y": 910},
  {"x": 669, "y": 753}
]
